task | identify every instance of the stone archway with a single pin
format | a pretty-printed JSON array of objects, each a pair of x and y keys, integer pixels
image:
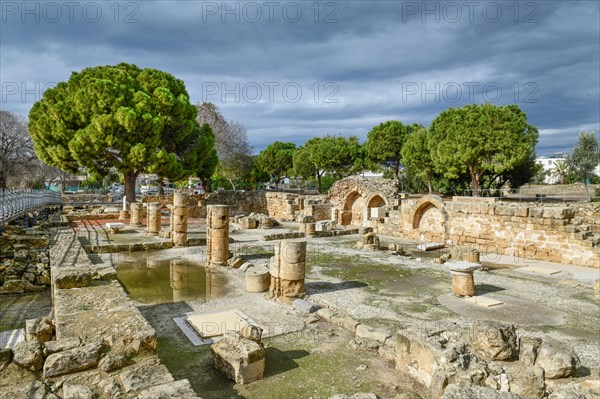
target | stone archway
[
  {"x": 430, "y": 219},
  {"x": 376, "y": 201},
  {"x": 354, "y": 207}
]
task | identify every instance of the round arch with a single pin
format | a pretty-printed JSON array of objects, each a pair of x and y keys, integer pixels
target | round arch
[{"x": 424, "y": 207}]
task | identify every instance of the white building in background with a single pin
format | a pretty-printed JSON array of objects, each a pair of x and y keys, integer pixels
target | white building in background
[{"x": 549, "y": 165}]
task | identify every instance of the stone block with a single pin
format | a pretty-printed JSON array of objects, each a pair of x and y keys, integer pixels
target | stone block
[
  {"x": 326, "y": 314},
  {"x": 305, "y": 306},
  {"x": 72, "y": 360},
  {"x": 170, "y": 390},
  {"x": 29, "y": 355},
  {"x": 558, "y": 359},
  {"x": 144, "y": 377},
  {"x": 71, "y": 277},
  {"x": 345, "y": 322},
  {"x": 365, "y": 331},
  {"x": 494, "y": 341},
  {"x": 241, "y": 360}
]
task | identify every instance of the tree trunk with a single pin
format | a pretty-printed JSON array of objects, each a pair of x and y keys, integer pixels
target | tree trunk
[
  {"x": 474, "y": 182},
  {"x": 319, "y": 183},
  {"x": 429, "y": 183},
  {"x": 397, "y": 171},
  {"x": 129, "y": 178}
]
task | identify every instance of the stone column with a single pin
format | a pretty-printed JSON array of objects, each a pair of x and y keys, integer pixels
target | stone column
[
  {"x": 123, "y": 215},
  {"x": 137, "y": 214},
  {"x": 179, "y": 220},
  {"x": 153, "y": 218},
  {"x": 217, "y": 235},
  {"x": 287, "y": 271},
  {"x": 310, "y": 229}
]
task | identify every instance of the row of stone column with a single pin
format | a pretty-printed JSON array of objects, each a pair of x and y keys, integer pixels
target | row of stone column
[{"x": 153, "y": 218}]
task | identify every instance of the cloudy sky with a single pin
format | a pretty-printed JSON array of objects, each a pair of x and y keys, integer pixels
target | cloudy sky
[{"x": 291, "y": 70}]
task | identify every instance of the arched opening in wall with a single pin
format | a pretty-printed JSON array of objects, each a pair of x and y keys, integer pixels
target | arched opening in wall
[
  {"x": 429, "y": 220},
  {"x": 374, "y": 203},
  {"x": 354, "y": 208}
]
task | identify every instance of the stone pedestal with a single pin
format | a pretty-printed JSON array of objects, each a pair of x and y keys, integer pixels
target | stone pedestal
[
  {"x": 309, "y": 229},
  {"x": 463, "y": 283},
  {"x": 179, "y": 220},
  {"x": 217, "y": 235},
  {"x": 123, "y": 215},
  {"x": 287, "y": 271},
  {"x": 258, "y": 279},
  {"x": 153, "y": 218},
  {"x": 137, "y": 214}
]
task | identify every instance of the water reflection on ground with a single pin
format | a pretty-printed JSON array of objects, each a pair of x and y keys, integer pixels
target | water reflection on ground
[{"x": 150, "y": 280}]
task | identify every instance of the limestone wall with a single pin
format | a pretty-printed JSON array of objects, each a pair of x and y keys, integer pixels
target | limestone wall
[{"x": 566, "y": 233}]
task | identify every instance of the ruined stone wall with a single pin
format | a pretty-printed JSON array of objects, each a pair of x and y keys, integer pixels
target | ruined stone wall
[
  {"x": 278, "y": 205},
  {"x": 87, "y": 198},
  {"x": 354, "y": 198},
  {"x": 566, "y": 233}
]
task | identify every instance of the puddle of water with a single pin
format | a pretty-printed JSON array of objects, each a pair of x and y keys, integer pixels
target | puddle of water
[{"x": 153, "y": 281}]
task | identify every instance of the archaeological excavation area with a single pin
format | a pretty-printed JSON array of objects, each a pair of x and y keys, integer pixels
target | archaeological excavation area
[{"x": 362, "y": 293}]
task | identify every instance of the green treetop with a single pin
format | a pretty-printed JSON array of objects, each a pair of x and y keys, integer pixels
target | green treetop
[
  {"x": 481, "y": 140},
  {"x": 124, "y": 117}
]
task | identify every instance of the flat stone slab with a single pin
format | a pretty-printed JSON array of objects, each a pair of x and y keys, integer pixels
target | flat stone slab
[
  {"x": 462, "y": 266},
  {"x": 484, "y": 301},
  {"x": 9, "y": 339},
  {"x": 115, "y": 225},
  {"x": 212, "y": 325},
  {"x": 513, "y": 311},
  {"x": 538, "y": 269},
  {"x": 430, "y": 246}
]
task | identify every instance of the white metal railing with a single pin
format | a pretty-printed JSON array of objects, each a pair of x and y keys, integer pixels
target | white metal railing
[{"x": 15, "y": 201}]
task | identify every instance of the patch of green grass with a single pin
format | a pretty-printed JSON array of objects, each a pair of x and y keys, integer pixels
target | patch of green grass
[{"x": 295, "y": 370}]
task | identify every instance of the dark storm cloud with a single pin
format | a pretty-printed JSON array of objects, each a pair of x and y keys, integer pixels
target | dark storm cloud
[{"x": 293, "y": 70}]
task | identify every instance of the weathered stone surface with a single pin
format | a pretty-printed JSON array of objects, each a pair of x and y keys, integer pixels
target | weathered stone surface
[
  {"x": 241, "y": 360},
  {"x": 6, "y": 356},
  {"x": 591, "y": 387},
  {"x": 76, "y": 391},
  {"x": 235, "y": 262},
  {"x": 144, "y": 377},
  {"x": 528, "y": 349},
  {"x": 244, "y": 268},
  {"x": 40, "y": 329},
  {"x": 365, "y": 331},
  {"x": 29, "y": 355},
  {"x": 494, "y": 341},
  {"x": 570, "y": 391},
  {"x": 112, "y": 362},
  {"x": 524, "y": 380},
  {"x": 60, "y": 345},
  {"x": 33, "y": 390},
  {"x": 597, "y": 287},
  {"x": 356, "y": 396},
  {"x": 326, "y": 314},
  {"x": 305, "y": 306},
  {"x": 475, "y": 392},
  {"x": 345, "y": 322},
  {"x": 72, "y": 360},
  {"x": 557, "y": 359},
  {"x": 172, "y": 390},
  {"x": 71, "y": 277}
]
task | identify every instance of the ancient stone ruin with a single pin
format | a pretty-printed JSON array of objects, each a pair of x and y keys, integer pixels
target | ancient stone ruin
[
  {"x": 287, "y": 269},
  {"x": 217, "y": 235}
]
